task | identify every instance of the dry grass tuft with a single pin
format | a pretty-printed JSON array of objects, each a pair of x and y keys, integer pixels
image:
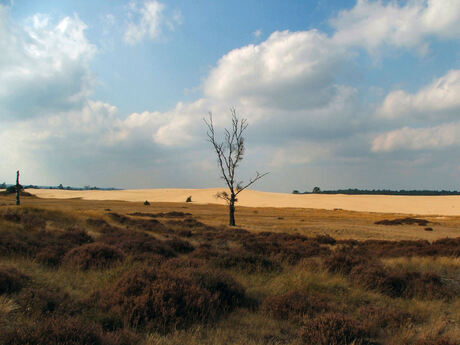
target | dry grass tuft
[{"x": 332, "y": 329}]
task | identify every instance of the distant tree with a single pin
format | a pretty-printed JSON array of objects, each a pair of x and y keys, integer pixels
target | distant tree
[
  {"x": 316, "y": 190},
  {"x": 295, "y": 191},
  {"x": 61, "y": 186},
  {"x": 230, "y": 153}
]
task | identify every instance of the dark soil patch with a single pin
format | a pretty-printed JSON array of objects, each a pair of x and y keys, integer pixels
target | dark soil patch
[
  {"x": 403, "y": 221},
  {"x": 173, "y": 214}
]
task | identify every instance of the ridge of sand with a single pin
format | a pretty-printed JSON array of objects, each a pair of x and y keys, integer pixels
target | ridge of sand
[{"x": 448, "y": 205}]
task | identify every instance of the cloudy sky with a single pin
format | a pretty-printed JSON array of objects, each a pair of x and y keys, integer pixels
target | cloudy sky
[{"x": 337, "y": 93}]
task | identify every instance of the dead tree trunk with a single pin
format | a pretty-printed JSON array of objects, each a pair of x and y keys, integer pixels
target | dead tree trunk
[
  {"x": 231, "y": 205},
  {"x": 18, "y": 189},
  {"x": 229, "y": 154}
]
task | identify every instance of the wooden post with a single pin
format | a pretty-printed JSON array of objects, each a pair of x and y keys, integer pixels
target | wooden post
[{"x": 18, "y": 188}]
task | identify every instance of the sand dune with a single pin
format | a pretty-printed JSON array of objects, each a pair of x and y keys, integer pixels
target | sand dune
[{"x": 422, "y": 205}]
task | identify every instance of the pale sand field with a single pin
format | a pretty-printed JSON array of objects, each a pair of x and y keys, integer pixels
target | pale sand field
[{"x": 421, "y": 205}]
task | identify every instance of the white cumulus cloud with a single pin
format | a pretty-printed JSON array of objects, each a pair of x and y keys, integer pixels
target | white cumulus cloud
[
  {"x": 290, "y": 70},
  {"x": 438, "y": 101},
  {"x": 148, "y": 21},
  {"x": 371, "y": 24},
  {"x": 418, "y": 138},
  {"x": 43, "y": 66}
]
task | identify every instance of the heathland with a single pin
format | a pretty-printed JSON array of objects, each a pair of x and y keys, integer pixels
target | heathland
[{"x": 76, "y": 271}]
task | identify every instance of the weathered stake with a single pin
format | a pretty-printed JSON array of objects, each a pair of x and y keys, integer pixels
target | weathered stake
[{"x": 18, "y": 188}]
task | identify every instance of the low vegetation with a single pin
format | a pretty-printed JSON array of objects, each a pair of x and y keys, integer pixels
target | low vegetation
[{"x": 74, "y": 278}]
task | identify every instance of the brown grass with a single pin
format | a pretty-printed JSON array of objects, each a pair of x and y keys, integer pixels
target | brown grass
[
  {"x": 332, "y": 329},
  {"x": 251, "y": 285}
]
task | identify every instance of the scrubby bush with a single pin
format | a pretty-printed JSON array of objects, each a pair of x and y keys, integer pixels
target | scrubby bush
[
  {"x": 182, "y": 263},
  {"x": 47, "y": 300},
  {"x": 284, "y": 247},
  {"x": 223, "y": 287},
  {"x": 141, "y": 224},
  {"x": 163, "y": 299},
  {"x": 135, "y": 242},
  {"x": 93, "y": 255},
  {"x": 59, "y": 244},
  {"x": 332, "y": 329},
  {"x": 11, "y": 280},
  {"x": 375, "y": 319},
  {"x": 399, "y": 284},
  {"x": 29, "y": 218},
  {"x": 245, "y": 261},
  {"x": 439, "y": 341},
  {"x": 294, "y": 305},
  {"x": 180, "y": 246},
  {"x": 65, "y": 331},
  {"x": 344, "y": 261},
  {"x": 325, "y": 239},
  {"x": 145, "y": 298}
]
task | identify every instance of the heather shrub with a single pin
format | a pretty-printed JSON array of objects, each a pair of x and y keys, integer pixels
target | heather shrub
[
  {"x": 46, "y": 300},
  {"x": 18, "y": 242},
  {"x": 182, "y": 264},
  {"x": 332, "y": 329},
  {"x": 283, "y": 247},
  {"x": 189, "y": 223},
  {"x": 184, "y": 233},
  {"x": 136, "y": 223},
  {"x": 400, "y": 284},
  {"x": 294, "y": 305},
  {"x": 147, "y": 299},
  {"x": 205, "y": 252},
  {"x": 169, "y": 298},
  {"x": 65, "y": 331},
  {"x": 343, "y": 262},
  {"x": 245, "y": 261},
  {"x": 29, "y": 218},
  {"x": 53, "y": 251},
  {"x": 180, "y": 246},
  {"x": 11, "y": 280},
  {"x": 403, "y": 221},
  {"x": 46, "y": 246},
  {"x": 325, "y": 239},
  {"x": 135, "y": 242},
  {"x": 93, "y": 255},
  {"x": 172, "y": 214},
  {"x": 229, "y": 293},
  {"x": 440, "y": 341},
  {"x": 374, "y": 319}
]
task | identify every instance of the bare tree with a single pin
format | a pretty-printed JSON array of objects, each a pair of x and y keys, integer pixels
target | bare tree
[{"x": 230, "y": 153}]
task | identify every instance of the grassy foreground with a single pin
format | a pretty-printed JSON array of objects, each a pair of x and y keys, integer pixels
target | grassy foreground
[{"x": 133, "y": 275}]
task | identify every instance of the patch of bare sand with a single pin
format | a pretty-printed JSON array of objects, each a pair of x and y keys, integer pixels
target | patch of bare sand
[{"x": 421, "y": 205}]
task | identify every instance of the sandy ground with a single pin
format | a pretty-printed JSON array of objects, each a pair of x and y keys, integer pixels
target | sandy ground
[{"x": 421, "y": 205}]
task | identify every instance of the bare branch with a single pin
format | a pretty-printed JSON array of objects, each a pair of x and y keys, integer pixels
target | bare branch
[
  {"x": 217, "y": 147},
  {"x": 240, "y": 187}
]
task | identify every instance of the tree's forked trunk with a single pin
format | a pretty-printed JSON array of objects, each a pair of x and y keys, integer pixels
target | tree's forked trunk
[{"x": 232, "y": 210}]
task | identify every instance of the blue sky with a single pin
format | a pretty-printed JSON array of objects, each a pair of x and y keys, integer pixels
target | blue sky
[{"x": 337, "y": 93}]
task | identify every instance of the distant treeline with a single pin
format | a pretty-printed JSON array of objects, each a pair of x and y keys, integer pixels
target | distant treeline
[
  {"x": 31, "y": 186},
  {"x": 355, "y": 191}
]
